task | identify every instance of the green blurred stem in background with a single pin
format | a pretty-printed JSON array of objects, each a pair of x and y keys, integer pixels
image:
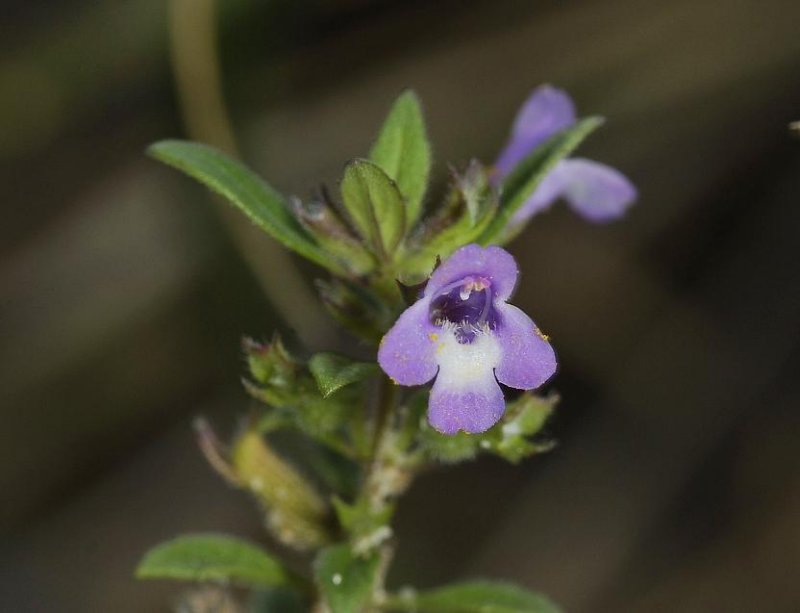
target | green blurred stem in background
[{"x": 193, "y": 47}]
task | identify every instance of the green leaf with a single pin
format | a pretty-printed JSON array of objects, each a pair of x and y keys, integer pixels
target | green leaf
[
  {"x": 474, "y": 597},
  {"x": 403, "y": 151},
  {"x": 332, "y": 372},
  {"x": 346, "y": 581},
  {"x": 264, "y": 206},
  {"x": 375, "y": 205},
  {"x": 527, "y": 175},
  {"x": 212, "y": 557}
]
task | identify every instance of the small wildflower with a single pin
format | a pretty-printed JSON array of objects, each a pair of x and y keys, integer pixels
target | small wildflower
[
  {"x": 463, "y": 332},
  {"x": 595, "y": 191}
]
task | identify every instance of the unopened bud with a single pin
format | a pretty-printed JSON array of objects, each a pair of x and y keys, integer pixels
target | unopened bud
[
  {"x": 295, "y": 512},
  {"x": 270, "y": 364},
  {"x": 322, "y": 222}
]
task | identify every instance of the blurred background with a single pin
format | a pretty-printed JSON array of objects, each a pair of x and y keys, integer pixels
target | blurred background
[{"x": 676, "y": 482}]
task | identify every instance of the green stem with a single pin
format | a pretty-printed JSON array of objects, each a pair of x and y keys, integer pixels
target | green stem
[
  {"x": 386, "y": 408},
  {"x": 380, "y": 483}
]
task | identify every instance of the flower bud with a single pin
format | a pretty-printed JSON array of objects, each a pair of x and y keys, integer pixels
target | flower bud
[
  {"x": 322, "y": 222},
  {"x": 295, "y": 512},
  {"x": 270, "y": 364}
]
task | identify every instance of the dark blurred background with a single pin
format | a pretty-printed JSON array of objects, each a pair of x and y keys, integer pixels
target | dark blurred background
[{"x": 676, "y": 484}]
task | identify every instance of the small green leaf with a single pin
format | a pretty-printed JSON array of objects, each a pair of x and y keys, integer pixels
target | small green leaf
[
  {"x": 212, "y": 557},
  {"x": 332, "y": 372},
  {"x": 346, "y": 581},
  {"x": 375, "y": 205},
  {"x": 474, "y": 597},
  {"x": 403, "y": 151},
  {"x": 264, "y": 206},
  {"x": 527, "y": 175}
]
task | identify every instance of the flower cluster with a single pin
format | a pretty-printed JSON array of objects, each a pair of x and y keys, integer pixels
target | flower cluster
[{"x": 462, "y": 331}]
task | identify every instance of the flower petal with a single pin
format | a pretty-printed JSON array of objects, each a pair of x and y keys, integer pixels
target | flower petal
[
  {"x": 407, "y": 351},
  {"x": 527, "y": 360},
  {"x": 495, "y": 264},
  {"x": 546, "y": 193},
  {"x": 546, "y": 111},
  {"x": 474, "y": 409},
  {"x": 465, "y": 395},
  {"x": 596, "y": 191}
]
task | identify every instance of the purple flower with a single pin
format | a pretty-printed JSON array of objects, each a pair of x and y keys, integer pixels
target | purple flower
[
  {"x": 596, "y": 191},
  {"x": 463, "y": 332}
]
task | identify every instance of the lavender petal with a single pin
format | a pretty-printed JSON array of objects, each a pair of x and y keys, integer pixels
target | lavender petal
[
  {"x": 473, "y": 408},
  {"x": 527, "y": 360},
  {"x": 546, "y": 111},
  {"x": 597, "y": 192},
  {"x": 546, "y": 193},
  {"x": 492, "y": 263},
  {"x": 407, "y": 351}
]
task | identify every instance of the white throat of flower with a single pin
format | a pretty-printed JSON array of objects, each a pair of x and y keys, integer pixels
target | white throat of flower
[{"x": 463, "y": 365}]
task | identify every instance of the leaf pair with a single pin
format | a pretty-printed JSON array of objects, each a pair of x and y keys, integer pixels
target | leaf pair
[{"x": 383, "y": 195}]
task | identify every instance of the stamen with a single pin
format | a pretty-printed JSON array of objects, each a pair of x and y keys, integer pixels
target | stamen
[
  {"x": 466, "y": 305},
  {"x": 486, "y": 305}
]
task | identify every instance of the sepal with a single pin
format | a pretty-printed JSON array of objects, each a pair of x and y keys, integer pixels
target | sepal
[
  {"x": 511, "y": 439},
  {"x": 466, "y": 212},
  {"x": 320, "y": 220}
]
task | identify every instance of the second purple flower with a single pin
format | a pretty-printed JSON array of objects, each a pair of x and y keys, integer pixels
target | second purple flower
[{"x": 595, "y": 191}]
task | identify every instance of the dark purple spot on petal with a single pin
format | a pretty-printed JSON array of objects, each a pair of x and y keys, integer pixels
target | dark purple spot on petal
[{"x": 467, "y": 305}]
